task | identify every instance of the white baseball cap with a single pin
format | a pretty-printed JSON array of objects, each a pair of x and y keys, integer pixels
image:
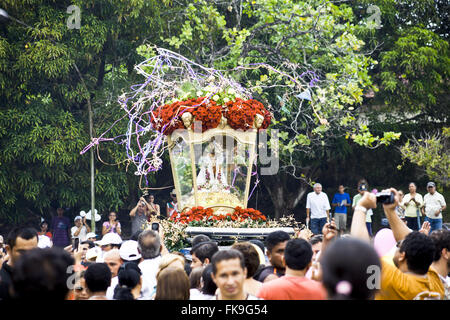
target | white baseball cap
[
  {"x": 109, "y": 238},
  {"x": 91, "y": 235},
  {"x": 77, "y": 218},
  {"x": 91, "y": 253},
  {"x": 129, "y": 250}
]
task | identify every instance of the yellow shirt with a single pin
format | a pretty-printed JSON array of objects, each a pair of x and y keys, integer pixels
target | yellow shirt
[
  {"x": 396, "y": 285},
  {"x": 411, "y": 207}
]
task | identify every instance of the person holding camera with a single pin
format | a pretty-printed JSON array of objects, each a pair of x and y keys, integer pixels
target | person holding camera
[
  {"x": 408, "y": 274},
  {"x": 139, "y": 215},
  {"x": 362, "y": 188},
  {"x": 81, "y": 229},
  {"x": 113, "y": 225}
]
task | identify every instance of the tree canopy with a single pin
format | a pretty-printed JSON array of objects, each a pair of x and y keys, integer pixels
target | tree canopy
[{"x": 334, "y": 79}]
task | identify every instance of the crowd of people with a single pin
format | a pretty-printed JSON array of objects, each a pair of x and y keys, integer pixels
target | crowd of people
[
  {"x": 331, "y": 264},
  {"x": 411, "y": 207}
]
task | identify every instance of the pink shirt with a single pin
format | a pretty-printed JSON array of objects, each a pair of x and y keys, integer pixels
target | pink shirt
[{"x": 113, "y": 230}]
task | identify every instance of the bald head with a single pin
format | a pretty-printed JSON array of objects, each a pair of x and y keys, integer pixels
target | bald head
[
  {"x": 149, "y": 244},
  {"x": 113, "y": 261}
]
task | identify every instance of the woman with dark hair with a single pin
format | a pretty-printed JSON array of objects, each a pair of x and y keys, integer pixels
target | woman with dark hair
[
  {"x": 195, "y": 279},
  {"x": 130, "y": 282},
  {"x": 347, "y": 265},
  {"x": 112, "y": 225},
  {"x": 154, "y": 207},
  {"x": 251, "y": 258},
  {"x": 79, "y": 290},
  {"x": 172, "y": 284},
  {"x": 209, "y": 287},
  {"x": 43, "y": 226}
]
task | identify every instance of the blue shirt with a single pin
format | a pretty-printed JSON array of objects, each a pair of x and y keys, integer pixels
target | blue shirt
[{"x": 338, "y": 198}]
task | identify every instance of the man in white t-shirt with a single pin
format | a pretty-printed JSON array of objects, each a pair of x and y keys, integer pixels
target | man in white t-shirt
[
  {"x": 317, "y": 209},
  {"x": 80, "y": 230},
  {"x": 433, "y": 205},
  {"x": 149, "y": 244}
]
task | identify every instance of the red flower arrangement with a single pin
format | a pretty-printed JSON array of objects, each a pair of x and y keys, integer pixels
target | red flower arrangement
[
  {"x": 240, "y": 114},
  {"x": 209, "y": 114},
  {"x": 166, "y": 118},
  {"x": 202, "y": 214}
]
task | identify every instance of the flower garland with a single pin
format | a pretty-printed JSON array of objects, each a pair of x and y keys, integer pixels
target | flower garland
[
  {"x": 240, "y": 114},
  {"x": 175, "y": 236},
  {"x": 200, "y": 214}
]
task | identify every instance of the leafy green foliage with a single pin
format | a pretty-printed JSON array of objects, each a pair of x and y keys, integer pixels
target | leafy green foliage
[
  {"x": 43, "y": 112},
  {"x": 302, "y": 39},
  {"x": 431, "y": 153}
]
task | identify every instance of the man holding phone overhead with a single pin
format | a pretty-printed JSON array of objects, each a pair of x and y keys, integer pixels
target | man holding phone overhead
[{"x": 80, "y": 230}]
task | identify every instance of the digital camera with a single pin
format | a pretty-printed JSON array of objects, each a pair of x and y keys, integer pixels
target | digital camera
[{"x": 385, "y": 197}]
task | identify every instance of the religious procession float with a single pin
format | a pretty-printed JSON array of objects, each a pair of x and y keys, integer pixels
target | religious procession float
[{"x": 209, "y": 125}]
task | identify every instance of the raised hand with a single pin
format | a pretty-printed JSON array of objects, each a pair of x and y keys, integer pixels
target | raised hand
[
  {"x": 426, "y": 227},
  {"x": 329, "y": 230},
  {"x": 392, "y": 206}
]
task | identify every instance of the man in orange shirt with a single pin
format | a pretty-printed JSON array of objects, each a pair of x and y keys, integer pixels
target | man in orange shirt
[
  {"x": 294, "y": 285},
  {"x": 408, "y": 276}
]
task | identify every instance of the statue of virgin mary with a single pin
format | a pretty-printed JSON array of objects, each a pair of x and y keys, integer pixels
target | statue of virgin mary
[{"x": 212, "y": 173}]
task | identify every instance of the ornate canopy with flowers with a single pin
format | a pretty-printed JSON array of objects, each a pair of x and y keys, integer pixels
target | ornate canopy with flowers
[
  {"x": 209, "y": 125},
  {"x": 212, "y": 149}
]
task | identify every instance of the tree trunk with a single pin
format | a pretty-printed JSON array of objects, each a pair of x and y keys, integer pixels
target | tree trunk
[{"x": 285, "y": 192}]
